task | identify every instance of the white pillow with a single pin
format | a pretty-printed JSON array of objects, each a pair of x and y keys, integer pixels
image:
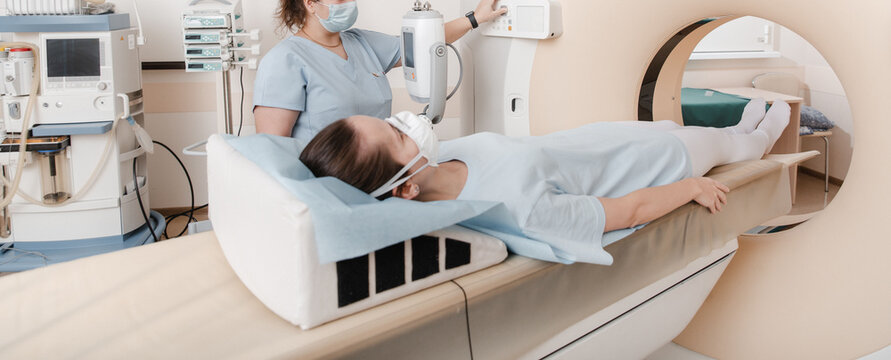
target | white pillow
[{"x": 267, "y": 236}]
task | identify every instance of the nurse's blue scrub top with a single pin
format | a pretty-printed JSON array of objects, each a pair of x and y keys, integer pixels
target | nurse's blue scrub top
[{"x": 298, "y": 74}]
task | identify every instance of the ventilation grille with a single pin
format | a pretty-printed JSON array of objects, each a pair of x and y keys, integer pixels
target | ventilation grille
[{"x": 387, "y": 268}]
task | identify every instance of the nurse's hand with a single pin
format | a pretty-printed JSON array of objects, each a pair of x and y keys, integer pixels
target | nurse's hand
[{"x": 486, "y": 11}]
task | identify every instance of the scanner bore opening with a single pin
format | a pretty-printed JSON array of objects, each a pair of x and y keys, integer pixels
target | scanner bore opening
[{"x": 671, "y": 69}]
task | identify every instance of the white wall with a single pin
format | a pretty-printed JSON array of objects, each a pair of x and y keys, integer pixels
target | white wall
[
  {"x": 824, "y": 91},
  {"x": 827, "y": 95},
  {"x": 746, "y": 34}
]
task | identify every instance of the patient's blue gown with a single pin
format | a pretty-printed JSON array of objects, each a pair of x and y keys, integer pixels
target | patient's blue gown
[{"x": 550, "y": 184}]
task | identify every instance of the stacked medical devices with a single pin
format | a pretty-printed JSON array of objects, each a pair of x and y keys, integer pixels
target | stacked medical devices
[
  {"x": 215, "y": 39},
  {"x": 79, "y": 187}
]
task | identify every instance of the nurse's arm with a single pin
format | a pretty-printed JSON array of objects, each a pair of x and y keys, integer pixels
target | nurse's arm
[
  {"x": 645, "y": 205},
  {"x": 275, "y": 121},
  {"x": 485, "y": 12}
]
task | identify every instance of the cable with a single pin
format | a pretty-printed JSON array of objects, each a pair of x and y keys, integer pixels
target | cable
[
  {"x": 140, "y": 40},
  {"x": 241, "y": 109},
  {"x": 184, "y": 213},
  {"x": 460, "y": 71},
  {"x": 148, "y": 224},
  {"x": 466, "y": 318},
  {"x": 191, "y": 189},
  {"x": 172, "y": 217},
  {"x": 460, "y": 77},
  {"x": 24, "y": 253}
]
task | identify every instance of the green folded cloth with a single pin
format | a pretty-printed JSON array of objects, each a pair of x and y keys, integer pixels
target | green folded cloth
[{"x": 704, "y": 107}]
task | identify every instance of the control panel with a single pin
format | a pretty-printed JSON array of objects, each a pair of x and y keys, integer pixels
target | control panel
[{"x": 530, "y": 19}]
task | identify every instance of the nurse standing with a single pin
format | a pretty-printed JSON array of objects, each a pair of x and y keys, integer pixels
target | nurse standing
[{"x": 327, "y": 71}]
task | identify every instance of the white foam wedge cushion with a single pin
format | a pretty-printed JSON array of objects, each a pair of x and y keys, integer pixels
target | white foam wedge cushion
[{"x": 267, "y": 237}]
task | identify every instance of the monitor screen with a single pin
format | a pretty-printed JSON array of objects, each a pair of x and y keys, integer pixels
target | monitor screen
[
  {"x": 409, "y": 40},
  {"x": 72, "y": 57}
]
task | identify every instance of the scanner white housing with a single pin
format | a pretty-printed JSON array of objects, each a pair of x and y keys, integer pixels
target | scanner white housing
[
  {"x": 424, "y": 60},
  {"x": 529, "y": 19}
]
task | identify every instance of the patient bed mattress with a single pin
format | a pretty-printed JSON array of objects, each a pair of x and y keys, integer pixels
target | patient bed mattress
[{"x": 180, "y": 297}]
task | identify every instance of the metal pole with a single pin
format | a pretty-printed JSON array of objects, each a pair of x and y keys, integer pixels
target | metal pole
[
  {"x": 5, "y": 228},
  {"x": 227, "y": 103},
  {"x": 826, "y": 165}
]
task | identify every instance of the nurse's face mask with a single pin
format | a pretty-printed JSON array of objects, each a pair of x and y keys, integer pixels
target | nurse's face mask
[
  {"x": 420, "y": 130},
  {"x": 340, "y": 16}
]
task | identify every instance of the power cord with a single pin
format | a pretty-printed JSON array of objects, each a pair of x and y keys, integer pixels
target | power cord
[
  {"x": 142, "y": 207},
  {"x": 192, "y": 208},
  {"x": 25, "y": 253},
  {"x": 172, "y": 217},
  {"x": 241, "y": 108}
]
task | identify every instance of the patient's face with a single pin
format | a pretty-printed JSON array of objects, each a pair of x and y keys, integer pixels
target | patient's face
[{"x": 375, "y": 133}]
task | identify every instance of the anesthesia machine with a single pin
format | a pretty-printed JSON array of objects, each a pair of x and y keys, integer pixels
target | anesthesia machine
[{"x": 73, "y": 152}]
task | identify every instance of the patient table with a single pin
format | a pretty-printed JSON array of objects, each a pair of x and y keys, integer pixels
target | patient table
[{"x": 180, "y": 298}]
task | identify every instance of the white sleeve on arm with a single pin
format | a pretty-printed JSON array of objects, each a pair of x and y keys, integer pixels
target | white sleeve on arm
[{"x": 571, "y": 224}]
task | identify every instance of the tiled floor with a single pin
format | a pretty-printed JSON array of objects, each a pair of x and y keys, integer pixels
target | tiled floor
[
  {"x": 674, "y": 351},
  {"x": 810, "y": 194}
]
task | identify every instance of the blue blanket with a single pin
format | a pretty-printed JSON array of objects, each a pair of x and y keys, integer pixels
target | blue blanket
[{"x": 350, "y": 223}]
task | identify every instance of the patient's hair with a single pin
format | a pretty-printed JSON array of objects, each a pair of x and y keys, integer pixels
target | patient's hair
[
  {"x": 291, "y": 14},
  {"x": 338, "y": 151}
]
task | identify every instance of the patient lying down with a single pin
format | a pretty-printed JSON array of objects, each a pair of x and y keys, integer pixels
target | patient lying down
[{"x": 567, "y": 188}]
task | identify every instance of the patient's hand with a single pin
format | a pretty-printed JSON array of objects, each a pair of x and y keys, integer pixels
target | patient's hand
[{"x": 709, "y": 193}]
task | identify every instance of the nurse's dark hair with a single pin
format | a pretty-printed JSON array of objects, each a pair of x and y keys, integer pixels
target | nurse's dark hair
[
  {"x": 291, "y": 14},
  {"x": 337, "y": 151}
]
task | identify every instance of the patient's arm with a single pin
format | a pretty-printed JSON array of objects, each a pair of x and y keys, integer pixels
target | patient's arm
[{"x": 648, "y": 204}]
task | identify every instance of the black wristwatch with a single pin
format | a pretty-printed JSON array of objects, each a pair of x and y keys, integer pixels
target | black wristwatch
[{"x": 473, "y": 23}]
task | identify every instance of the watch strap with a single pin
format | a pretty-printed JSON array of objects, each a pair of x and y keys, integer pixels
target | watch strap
[{"x": 473, "y": 23}]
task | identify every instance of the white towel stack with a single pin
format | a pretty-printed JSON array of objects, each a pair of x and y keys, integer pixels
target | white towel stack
[{"x": 45, "y": 7}]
